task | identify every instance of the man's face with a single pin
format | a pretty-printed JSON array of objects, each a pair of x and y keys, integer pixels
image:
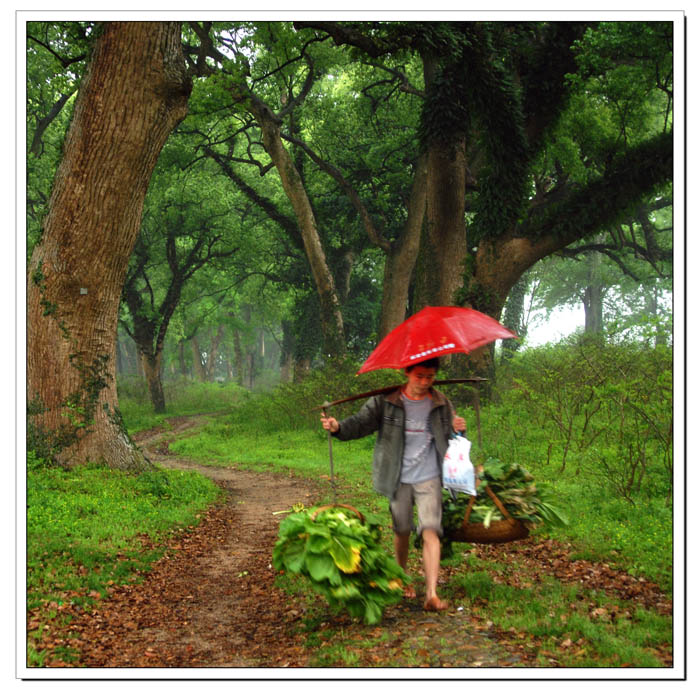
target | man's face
[{"x": 420, "y": 379}]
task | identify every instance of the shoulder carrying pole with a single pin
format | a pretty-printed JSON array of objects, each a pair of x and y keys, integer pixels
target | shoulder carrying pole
[{"x": 388, "y": 389}]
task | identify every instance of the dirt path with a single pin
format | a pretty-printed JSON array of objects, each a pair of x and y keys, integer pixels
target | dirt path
[{"x": 212, "y": 601}]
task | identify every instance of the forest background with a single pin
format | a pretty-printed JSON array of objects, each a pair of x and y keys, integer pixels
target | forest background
[{"x": 257, "y": 287}]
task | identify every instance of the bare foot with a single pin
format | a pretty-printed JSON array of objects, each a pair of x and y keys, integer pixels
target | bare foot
[
  {"x": 435, "y": 604},
  {"x": 409, "y": 591}
]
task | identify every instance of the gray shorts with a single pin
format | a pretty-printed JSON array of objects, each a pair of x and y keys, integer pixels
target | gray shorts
[{"x": 427, "y": 497}]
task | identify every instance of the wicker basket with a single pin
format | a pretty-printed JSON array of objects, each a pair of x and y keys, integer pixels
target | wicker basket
[
  {"x": 338, "y": 505},
  {"x": 498, "y": 531}
]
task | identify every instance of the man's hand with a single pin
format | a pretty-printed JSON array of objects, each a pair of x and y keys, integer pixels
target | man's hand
[
  {"x": 459, "y": 425},
  {"x": 329, "y": 423}
]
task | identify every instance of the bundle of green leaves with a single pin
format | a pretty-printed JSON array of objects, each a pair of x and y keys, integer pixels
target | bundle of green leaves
[
  {"x": 342, "y": 557},
  {"x": 515, "y": 488}
]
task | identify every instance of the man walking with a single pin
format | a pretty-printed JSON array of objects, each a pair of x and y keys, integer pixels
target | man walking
[{"x": 414, "y": 424}]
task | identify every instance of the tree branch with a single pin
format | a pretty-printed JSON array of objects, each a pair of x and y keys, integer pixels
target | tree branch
[
  {"x": 65, "y": 62},
  {"x": 348, "y": 34},
  {"x": 296, "y": 101},
  {"x": 601, "y": 248},
  {"x": 43, "y": 124},
  {"x": 405, "y": 84},
  {"x": 287, "y": 223},
  {"x": 349, "y": 190},
  {"x": 206, "y": 49},
  {"x": 586, "y": 210}
]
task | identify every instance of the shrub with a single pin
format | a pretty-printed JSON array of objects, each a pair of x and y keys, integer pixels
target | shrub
[{"x": 609, "y": 404}]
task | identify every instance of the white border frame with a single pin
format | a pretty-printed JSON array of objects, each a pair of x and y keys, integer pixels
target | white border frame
[{"x": 678, "y": 672}]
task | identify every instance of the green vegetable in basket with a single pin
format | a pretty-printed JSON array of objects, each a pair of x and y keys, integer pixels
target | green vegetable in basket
[
  {"x": 342, "y": 557},
  {"x": 515, "y": 488}
]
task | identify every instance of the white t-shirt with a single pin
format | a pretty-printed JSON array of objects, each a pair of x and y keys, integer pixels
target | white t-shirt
[{"x": 420, "y": 459}]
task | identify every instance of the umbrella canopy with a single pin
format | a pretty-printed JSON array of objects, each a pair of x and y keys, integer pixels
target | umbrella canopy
[{"x": 435, "y": 331}]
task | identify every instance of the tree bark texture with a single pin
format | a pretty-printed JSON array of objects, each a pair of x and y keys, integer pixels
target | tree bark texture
[
  {"x": 401, "y": 256},
  {"x": 214, "y": 353},
  {"x": 238, "y": 356},
  {"x": 594, "y": 292},
  {"x": 443, "y": 249},
  {"x": 331, "y": 316},
  {"x": 134, "y": 93},
  {"x": 496, "y": 268},
  {"x": 445, "y": 218},
  {"x": 197, "y": 363},
  {"x": 181, "y": 358},
  {"x": 151, "y": 368}
]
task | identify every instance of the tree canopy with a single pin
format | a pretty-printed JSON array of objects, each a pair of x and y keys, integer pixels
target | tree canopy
[{"x": 332, "y": 177}]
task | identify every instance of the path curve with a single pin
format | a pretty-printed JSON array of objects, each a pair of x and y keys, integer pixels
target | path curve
[{"x": 212, "y": 602}]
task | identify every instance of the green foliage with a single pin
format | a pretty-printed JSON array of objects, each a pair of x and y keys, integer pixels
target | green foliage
[
  {"x": 638, "y": 173},
  {"x": 631, "y": 63},
  {"x": 637, "y": 537},
  {"x": 77, "y": 410},
  {"x": 291, "y": 405},
  {"x": 84, "y": 525},
  {"x": 184, "y": 397},
  {"x": 610, "y": 403},
  {"x": 365, "y": 118},
  {"x": 515, "y": 487},
  {"x": 342, "y": 556},
  {"x": 635, "y": 299}
]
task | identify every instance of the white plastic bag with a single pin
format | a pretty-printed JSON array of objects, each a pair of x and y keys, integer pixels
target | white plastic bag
[{"x": 457, "y": 467}]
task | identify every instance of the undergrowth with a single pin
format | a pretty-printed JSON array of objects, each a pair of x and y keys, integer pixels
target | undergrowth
[{"x": 85, "y": 525}]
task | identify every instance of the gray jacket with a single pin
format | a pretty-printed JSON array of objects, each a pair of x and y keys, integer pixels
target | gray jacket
[{"x": 385, "y": 413}]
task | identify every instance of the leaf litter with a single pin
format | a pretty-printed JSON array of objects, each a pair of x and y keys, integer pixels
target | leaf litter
[{"x": 212, "y": 600}]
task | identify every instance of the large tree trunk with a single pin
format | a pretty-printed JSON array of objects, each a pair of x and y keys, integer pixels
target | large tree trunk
[
  {"x": 238, "y": 356},
  {"x": 198, "y": 365},
  {"x": 651, "y": 310},
  {"x": 513, "y": 317},
  {"x": 181, "y": 358},
  {"x": 593, "y": 309},
  {"x": 287, "y": 352},
  {"x": 593, "y": 293},
  {"x": 496, "y": 267},
  {"x": 447, "y": 235},
  {"x": 214, "y": 353},
  {"x": 134, "y": 93},
  {"x": 440, "y": 269}
]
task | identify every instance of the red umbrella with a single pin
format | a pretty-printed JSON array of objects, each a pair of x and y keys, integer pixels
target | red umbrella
[{"x": 435, "y": 331}]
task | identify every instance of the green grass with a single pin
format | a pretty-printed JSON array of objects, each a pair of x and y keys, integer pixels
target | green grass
[
  {"x": 637, "y": 538},
  {"x": 556, "y": 618},
  {"x": 182, "y": 398},
  {"x": 84, "y": 525},
  {"x": 553, "y": 617},
  {"x": 576, "y": 627},
  {"x": 225, "y": 440},
  {"x": 634, "y": 534}
]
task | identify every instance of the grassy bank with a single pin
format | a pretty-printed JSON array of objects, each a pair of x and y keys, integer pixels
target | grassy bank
[{"x": 90, "y": 528}]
